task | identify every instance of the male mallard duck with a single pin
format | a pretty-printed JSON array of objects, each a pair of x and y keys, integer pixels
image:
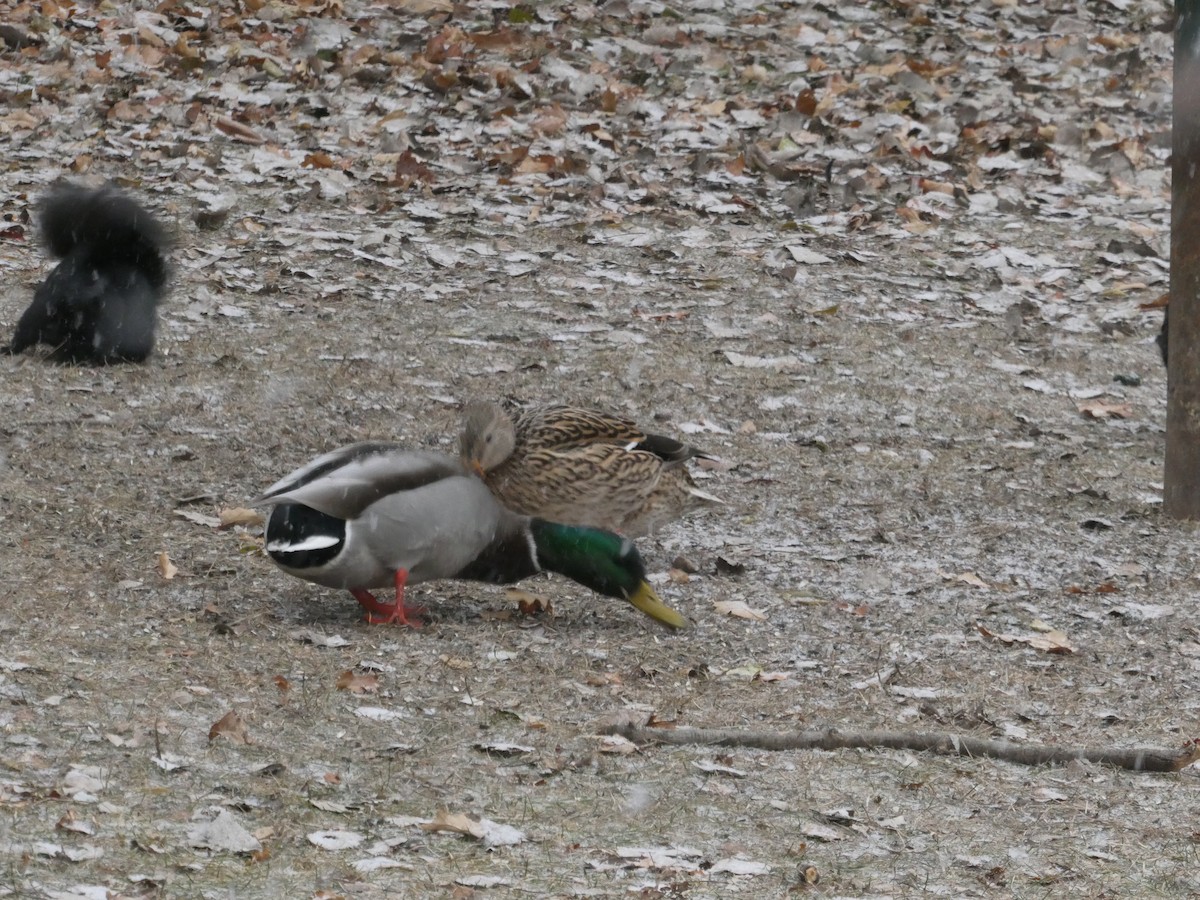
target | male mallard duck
[
  {"x": 374, "y": 514},
  {"x": 580, "y": 466}
]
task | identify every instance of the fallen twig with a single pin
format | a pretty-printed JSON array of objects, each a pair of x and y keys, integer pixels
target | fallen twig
[{"x": 1137, "y": 759}]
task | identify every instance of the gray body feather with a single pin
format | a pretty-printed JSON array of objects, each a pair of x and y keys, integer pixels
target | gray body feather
[{"x": 403, "y": 510}]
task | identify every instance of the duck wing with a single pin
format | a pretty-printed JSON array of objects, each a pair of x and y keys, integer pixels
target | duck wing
[
  {"x": 344, "y": 482},
  {"x": 560, "y": 427},
  {"x": 596, "y": 485}
]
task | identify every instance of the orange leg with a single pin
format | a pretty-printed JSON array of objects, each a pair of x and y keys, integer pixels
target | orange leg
[{"x": 387, "y": 613}]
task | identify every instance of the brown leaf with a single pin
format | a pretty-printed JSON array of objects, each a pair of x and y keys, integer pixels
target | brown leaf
[
  {"x": 420, "y": 7},
  {"x": 494, "y": 40},
  {"x": 965, "y": 578},
  {"x": 199, "y": 518},
  {"x": 69, "y": 821},
  {"x": 536, "y": 165},
  {"x": 530, "y": 604},
  {"x": 769, "y": 677},
  {"x": 231, "y": 727},
  {"x": 238, "y": 131},
  {"x": 936, "y": 187},
  {"x": 410, "y": 170},
  {"x": 1050, "y": 642},
  {"x": 806, "y": 102},
  {"x": 455, "y": 822},
  {"x": 615, "y": 743},
  {"x": 550, "y": 120},
  {"x": 128, "y": 111},
  {"x": 239, "y": 515},
  {"x": 185, "y": 50},
  {"x": 318, "y": 160},
  {"x": 357, "y": 684},
  {"x": 738, "y": 609},
  {"x": 1098, "y": 409}
]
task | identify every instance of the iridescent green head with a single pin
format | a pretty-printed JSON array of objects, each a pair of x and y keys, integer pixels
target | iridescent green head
[{"x": 602, "y": 561}]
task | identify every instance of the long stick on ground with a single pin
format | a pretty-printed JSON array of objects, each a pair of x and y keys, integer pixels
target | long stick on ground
[{"x": 1137, "y": 759}]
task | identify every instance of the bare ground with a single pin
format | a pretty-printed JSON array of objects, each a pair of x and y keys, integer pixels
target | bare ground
[{"x": 908, "y": 461}]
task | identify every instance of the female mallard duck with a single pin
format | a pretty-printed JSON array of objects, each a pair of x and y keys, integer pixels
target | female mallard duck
[
  {"x": 580, "y": 466},
  {"x": 373, "y": 514}
]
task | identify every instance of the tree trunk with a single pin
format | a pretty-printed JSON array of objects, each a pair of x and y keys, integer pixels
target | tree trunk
[{"x": 1181, "y": 479}]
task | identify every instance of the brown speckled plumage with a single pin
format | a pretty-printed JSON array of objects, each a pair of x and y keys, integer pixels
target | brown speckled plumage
[{"x": 580, "y": 467}]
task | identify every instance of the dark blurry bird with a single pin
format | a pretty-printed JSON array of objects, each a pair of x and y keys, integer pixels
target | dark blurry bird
[
  {"x": 99, "y": 304},
  {"x": 581, "y": 467},
  {"x": 1161, "y": 340},
  {"x": 372, "y": 515}
]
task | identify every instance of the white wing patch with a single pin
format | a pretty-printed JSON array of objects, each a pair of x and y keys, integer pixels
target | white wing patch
[
  {"x": 315, "y": 542},
  {"x": 533, "y": 554}
]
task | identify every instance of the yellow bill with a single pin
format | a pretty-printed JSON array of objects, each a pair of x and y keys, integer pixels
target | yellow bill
[{"x": 647, "y": 601}]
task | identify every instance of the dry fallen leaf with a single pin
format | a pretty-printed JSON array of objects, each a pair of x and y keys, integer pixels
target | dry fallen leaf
[
  {"x": 716, "y": 768},
  {"x": 673, "y": 858},
  {"x": 1050, "y": 642},
  {"x": 1098, "y": 409},
  {"x": 317, "y": 639},
  {"x": 614, "y": 743},
  {"x": 491, "y": 833},
  {"x": 503, "y": 748},
  {"x": 224, "y": 833},
  {"x": 238, "y": 131},
  {"x": 231, "y": 727},
  {"x": 772, "y": 676},
  {"x": 335, "y": 839},
  {"x": 199, "y": 518},
  {"x": 421, "y": 7},
  {"x": 357, "y": 684},
  {"x": 738, "y": 609},
  {"x": 739, "y": 866},
  {"x": 965, "y": 578},
  {"x": 69, "y": 821},
  {"x": 530, "y": 604},
  {"x": 239, "y": 515}
]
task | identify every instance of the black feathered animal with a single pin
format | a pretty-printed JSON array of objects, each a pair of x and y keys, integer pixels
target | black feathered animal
[
  {"x": 1161, "y": 340},
  {"x": 99, "y": 305}
]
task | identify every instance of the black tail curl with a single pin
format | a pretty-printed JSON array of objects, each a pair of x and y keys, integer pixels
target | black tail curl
[{"x": 99, "y": 305}]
